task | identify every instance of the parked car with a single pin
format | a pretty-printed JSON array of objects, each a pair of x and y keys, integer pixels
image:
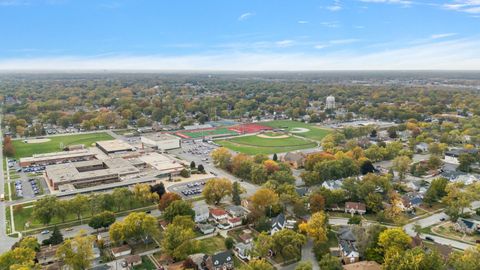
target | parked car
[
  {"x": 45, "y": 232},
  {"x": 428, "y": 238}
]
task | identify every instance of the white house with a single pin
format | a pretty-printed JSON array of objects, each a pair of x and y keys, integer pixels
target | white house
[
  {"x": 201, "y": 213},
  {"x": 278, "y": 223},
  {"x": 218, "y": 214},
  {"x": 121, "y": 251}
]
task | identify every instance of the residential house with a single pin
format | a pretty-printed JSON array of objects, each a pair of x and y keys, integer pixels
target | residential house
[
  {"x": 121, "y": 251},
  {"x": 467, "y": 226},
  {"x": 236, "y": 211},
  {"x": 201, "y": 213},
  {"x": 246, "y": 236},
  {"x": 451, "y": 156},
  {"x": 348, "y": 250},
  {"x": 219, "y": 261},
  {"x": 355, "y": 208},
  {"x": 46, "y": 255},
  {"x": 332, "y": 184},
  {"x": 206, "y": 228},
  {"x": 421, "y": 147},
  {"x": 243, "y": 250},
  {"x": 133, "y": 260},
  {"x": 301, "y": 191},
  {"x": 234, "y": 222},
  {"x": 296, "y": 160},
  {"x": 278, "y": 223},
  {"x": 218, "y": 214}
]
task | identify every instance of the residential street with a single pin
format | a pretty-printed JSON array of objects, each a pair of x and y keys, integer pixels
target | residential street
[{"x": 6, "y": 241}]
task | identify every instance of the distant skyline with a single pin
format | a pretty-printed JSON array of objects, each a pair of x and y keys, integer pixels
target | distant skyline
[{"x": 266, "y": 35}]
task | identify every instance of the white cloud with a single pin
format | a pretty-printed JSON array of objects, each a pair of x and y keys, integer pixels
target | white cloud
[
  {"x": 285, "y": 43},
  {"x": 444, "y": 35},
  {"x": 400, "y": 2},
  {"x": 302, "y": 22},
  {"x": 14, "y": 3},
  {"x": 459, "y": 54},
  {"x": 336, "y": 6},
  {"x": 467, "y": 6},
  {"x": 245, "y": 16},
  {"x": 332, "y": 24}
]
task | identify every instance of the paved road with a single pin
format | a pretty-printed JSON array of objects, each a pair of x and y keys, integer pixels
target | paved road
[
  {"x": 434, "y": 219},
  {"x": 5, "y": 240}
]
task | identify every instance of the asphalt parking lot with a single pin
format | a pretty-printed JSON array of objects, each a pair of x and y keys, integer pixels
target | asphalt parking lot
[
  {"x": 29, "y": 182},
  {"x": 188, "y": 190},
  {"x": 200, "y": 150}
]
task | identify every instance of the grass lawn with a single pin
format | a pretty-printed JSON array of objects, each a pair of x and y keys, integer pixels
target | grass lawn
[
  {"x": 14, "y": 191},
  {"x": 28, "y": 149},
  {"x": 24, "y": 213},
  {"x": 314, "y": 133},
  {"x": 253, "y": 144},
  {"x": 5, "y": 191},
  {"x": 212, "y": 245},
  {"x": 147, "y": 264},
  {"x": 332, "y": 239},
  {"x": 209, "y": 132}
]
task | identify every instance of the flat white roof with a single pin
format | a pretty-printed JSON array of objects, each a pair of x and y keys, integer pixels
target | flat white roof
[
  {"x": 115, "y": 145},
  {"x": 157, "y": 137}
]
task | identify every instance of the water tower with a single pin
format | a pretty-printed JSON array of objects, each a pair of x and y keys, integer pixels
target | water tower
[{"x": 330, "y": 103}]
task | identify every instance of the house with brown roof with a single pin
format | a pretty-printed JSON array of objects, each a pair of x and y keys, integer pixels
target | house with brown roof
[
  {"x": 295, "y": 160},
  {"x": 355, "y": 208},
  {"x": 218, "y": 214},
  {"x": 133, "y": 260},
  {"x": 46, "y": 255},
  {"x": 121, "y": 251}
]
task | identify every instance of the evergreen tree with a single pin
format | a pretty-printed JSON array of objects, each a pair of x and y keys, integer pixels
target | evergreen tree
[
  {"x": 56, "y": 237},
  {"x": 200, "y": 168},
  {"x": 275, "y": 157},
  {"x": 192, "y": 165},
  {"x": 236, "y": 193}
]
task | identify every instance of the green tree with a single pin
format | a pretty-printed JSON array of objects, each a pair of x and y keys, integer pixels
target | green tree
[
  {"x": 216, "y": 189},
  {"x": 288, "y": 243},
  {"x": 304, "y": 265},
  {"x": 394, "y": 240},
  {"x": 44, "y": 209},
  {"x": 436, "y": 191},
  {"x": 355, "y": 220},
  {"x": 257, "y": 264},
  {"x": 56, "y": 237},
  {"x": 178, "y": 238},
  {"x": 229, "y": 243},
  {"x": 466, "y": 260},
  {"x": 465, "y": 162},
  {"x": 401, "y": 165},
  {"x": 416, "y": 258},
  {"x": 329, "y": 262},
  {"x": 78, "y": 205},
  {"x": 77, "y": 252},
  {"x": 102, "y": 220},
  {"x": 236, "y": 190},
  {"x": 221, "y": 157},
  {"x": 136, "y": 226},
  {"x": 18, "y": 258},
  {"x": 178, "y": 208},
  {"x": 262, "y": 245},
  {"x": 275, "y": 157}
]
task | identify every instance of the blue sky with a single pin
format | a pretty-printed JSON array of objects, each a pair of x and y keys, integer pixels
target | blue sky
[{"x": 240, "y": 35}]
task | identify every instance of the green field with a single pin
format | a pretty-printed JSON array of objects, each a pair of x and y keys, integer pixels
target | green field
[
  {"x": 28, "y": 149},
  {"x": 211, "y": 132},
  {"x": 314, "y": 133},
  {"x": 253, "y": 144}
]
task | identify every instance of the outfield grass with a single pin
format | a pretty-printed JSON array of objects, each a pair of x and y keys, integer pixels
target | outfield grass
[
  {"x": 252, "y": 145},
  {"x": 315, "y": 133},
  {"x": 210, "y": 132},
  {"x": 28, "y": 149}
]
